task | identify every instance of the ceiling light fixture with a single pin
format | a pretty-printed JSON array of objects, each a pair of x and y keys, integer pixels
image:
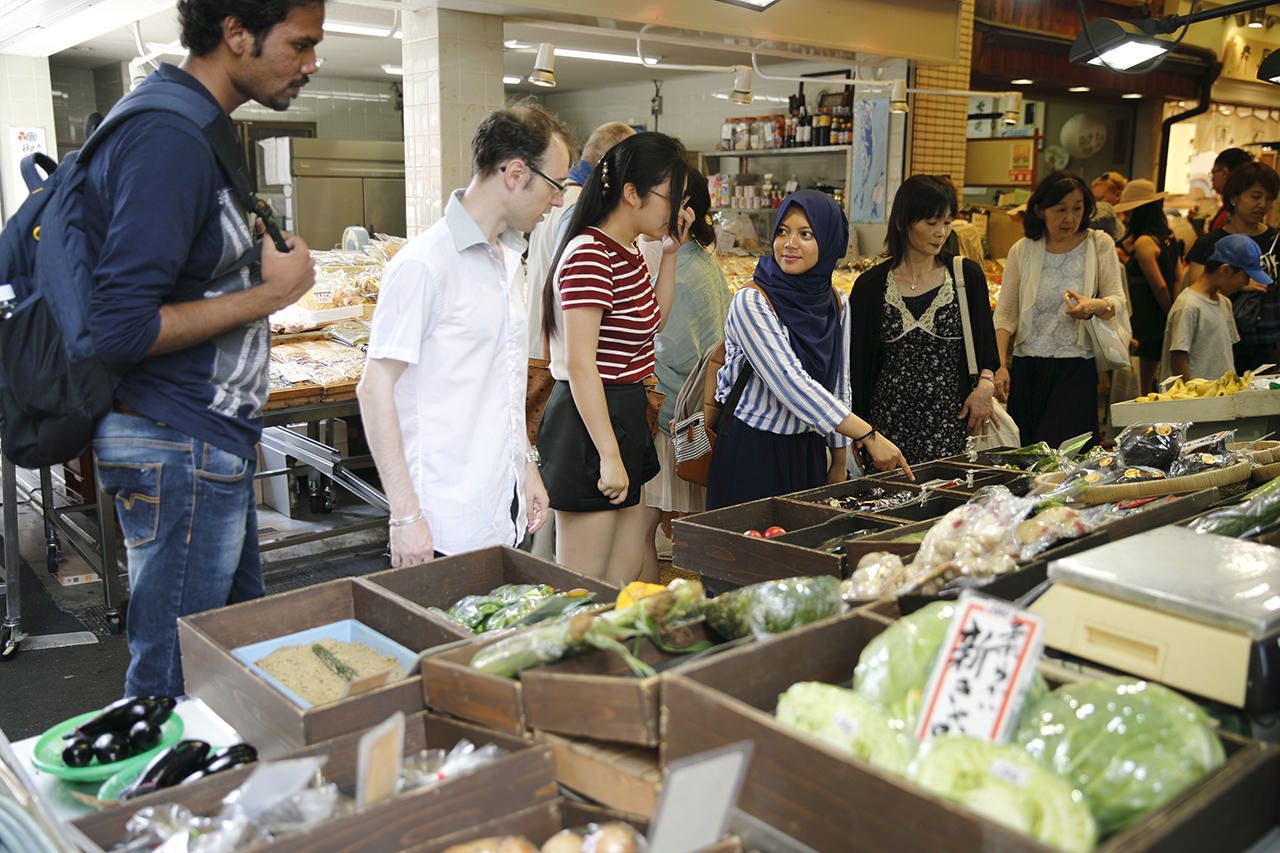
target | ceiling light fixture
[
  {"x": 1021, "y": 81},
  {"x": 741, "y": 93},
  {"x": 599, "y": 56},
  {"x": 1011, "y": 106},
  {"x": 356, "y": 28},
  {"x": 1269, "y": 70},
  {"x": 544, "y": 66},
  {"x": 1131, "y": 96},
  {"x": 1257, "y": 19},
  {"x": 511, "y": 80},
  {"x": 1078, "y": 89},
  {"x": 393, "y": 70},
  {"x": 753, "y": 5},
  {"x": 898, "y": 97},
  {"x": 1123, "y": 45}
]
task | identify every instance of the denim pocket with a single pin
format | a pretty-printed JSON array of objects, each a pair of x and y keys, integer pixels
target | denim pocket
[
  {"x": 136, "y": 488},
  {"x": 220, "y": 466}
]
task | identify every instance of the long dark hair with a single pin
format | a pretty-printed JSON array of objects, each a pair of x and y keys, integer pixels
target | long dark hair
[
  {"x": 920, "y": 197},
  {"x": 1054, "y": 188},
  {"x": 644, "y": 160},
  {"x": 702, "y": 231},
  {"x": 1148, "y": 220}
]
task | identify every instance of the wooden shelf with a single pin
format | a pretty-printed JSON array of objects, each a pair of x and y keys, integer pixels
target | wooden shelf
[{"x": 779, "y": 152}]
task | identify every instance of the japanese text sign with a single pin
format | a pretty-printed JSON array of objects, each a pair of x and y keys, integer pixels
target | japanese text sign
[{"x": 986, "y": 662}]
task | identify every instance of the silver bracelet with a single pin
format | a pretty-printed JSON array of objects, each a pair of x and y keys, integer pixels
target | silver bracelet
[
  {"x": 401, "y": 522},
  {"x": 532, "y": 455}
]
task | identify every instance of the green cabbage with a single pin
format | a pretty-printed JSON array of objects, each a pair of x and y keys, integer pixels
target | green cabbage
[
  {"x": 1006, "y": 785},
  {"x": 1129, "y": 746},
  {"x": 894, "y": 667},
  {"x": 846, "y": 722}
]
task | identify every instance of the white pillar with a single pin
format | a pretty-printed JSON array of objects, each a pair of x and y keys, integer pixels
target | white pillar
[
  {"x": 26, "y": 103},
  {"x": 452, "y": 79}
]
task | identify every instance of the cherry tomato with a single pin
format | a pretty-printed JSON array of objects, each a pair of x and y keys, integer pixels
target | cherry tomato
[
  {"x": 773, "y": 531},
  {"x": 756, "y": 533}
]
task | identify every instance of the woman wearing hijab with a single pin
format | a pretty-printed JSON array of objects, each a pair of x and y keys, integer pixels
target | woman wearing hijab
[{"x": 786, "y": 367}]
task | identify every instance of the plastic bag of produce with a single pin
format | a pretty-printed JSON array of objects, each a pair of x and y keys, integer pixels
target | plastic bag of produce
[
  {"x": 879, "y": 573},
  {"x": 1152, "y": 445},
  {"x": 1257, "y": 513},
  {"x": 846, "y": 722},
  {"x": 772, "y": 607},
  {"x": 1006, "y": 785},
  {"x": 1129, "y": 746}
]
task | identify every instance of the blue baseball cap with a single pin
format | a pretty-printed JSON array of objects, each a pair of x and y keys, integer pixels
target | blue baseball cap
[{"x": 1239, "y": 251}]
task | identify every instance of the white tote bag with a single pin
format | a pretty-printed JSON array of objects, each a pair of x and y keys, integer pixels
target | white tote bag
[
  {"x": 1005, "y": 432},
  {"x": 1110, "y": 337}
]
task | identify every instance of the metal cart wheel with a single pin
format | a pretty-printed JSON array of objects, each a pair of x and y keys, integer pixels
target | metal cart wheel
[{"x": 10, "y": 640}]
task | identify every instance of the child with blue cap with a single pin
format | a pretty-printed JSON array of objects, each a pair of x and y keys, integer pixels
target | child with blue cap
[{"x": 1201, "y": 329}]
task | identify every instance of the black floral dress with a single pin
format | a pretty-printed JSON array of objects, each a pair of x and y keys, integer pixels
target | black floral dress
[{"x": 918, "y": 392}]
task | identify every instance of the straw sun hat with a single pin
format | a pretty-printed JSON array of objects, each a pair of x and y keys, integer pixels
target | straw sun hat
[{"x": 1137, "y": 193}]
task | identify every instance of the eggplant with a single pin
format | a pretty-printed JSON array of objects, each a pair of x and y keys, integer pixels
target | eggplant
[
  {"x": 170, "y": 767},
  {"x": 110, "y": 746},
  {"x": 121, "y": 715},
  {"x": 78, "y": 753},
  {"x": 228, "y": 757},
  {"x": 143, "y": 736}
]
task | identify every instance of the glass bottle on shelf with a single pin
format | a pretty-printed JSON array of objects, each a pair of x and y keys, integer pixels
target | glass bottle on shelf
[
  {"x": 726, "y": 135},
  {"x": 756, "y": 131},
  {"x": 741, "y": 134},
  {"x": 803, "y": 127}
]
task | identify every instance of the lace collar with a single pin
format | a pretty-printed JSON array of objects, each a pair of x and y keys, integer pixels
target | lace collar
[{"x": 942, "y": 296}]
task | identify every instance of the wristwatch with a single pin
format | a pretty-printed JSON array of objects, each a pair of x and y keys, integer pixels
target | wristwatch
[{"x": 532, "y": 455}]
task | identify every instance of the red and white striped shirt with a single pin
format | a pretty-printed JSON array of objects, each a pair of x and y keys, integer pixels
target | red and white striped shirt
[{"x": 602, "y": 273}]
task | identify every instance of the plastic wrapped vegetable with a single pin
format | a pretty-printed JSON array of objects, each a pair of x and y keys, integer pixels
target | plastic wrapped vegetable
[
  {"x": 894, "y": 666},
  {"x": 1258, "y": 513},
  {"x": 974, "y": 541},
  {"x": 845, "y": 721},
  {"x": 878, "y": 573},
  {"x": 774, "y": 606},
  {"x": 1005, "y": 785},
  {"x": 1152, "y": 445},
  {"x": 1129, "y": 746}
]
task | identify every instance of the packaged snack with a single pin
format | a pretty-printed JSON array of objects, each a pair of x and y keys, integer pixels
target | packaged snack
[{"x": 1152, "y": 445}]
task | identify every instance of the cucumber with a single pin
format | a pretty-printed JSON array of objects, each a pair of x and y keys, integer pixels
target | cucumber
[
  {"x": 330, "y": 660},
  {"x": 774, "y": 606}
]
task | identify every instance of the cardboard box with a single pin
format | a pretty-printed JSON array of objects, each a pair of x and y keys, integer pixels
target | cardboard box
[
  {"x": 712, "y": 543},
  {"x": 593, "y": 695},
  {"x": 449, "y": 579},
  {"x": 262, "y": 714},
  {"x": 833, "y": 802},
  {"x": 520, "y": 779}
]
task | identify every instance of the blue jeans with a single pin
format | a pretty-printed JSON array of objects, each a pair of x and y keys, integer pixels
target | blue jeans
[{"x": 190, "y": 526}]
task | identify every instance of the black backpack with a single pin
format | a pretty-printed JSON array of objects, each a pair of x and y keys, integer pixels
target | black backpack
[{"x": 53, "y": 387}]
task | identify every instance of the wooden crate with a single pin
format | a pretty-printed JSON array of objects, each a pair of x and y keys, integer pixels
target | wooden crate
[
  {"x": 540, "y": 822},
  {"x": 941, "y": 470},
  {"x": 833, "y": 802},
  {"x": 859, "y": 487},
  {"x": 616, "y": 775},
  {"x": 447, "y": 579},
  {"x": 713, "y": 543},
  {"x": 589, "y": 696},
  {"x": 520, "y": 779},
  {"x": 257, "y": 710}
]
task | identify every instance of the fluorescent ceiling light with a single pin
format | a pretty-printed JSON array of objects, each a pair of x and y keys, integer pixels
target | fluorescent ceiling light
[
  {"x": 1116, "y": 44},
  {"x": 511, "y": 79},
  {"x": 356, "y": 29},
  {"x": 173, "y": 48},
  {"x": 1131, "y": 96},
  {"x": 754, "y": 5},
  {"x": 1021, "y": 81},
  {"x": 629, "y": 59},
  {"x": 393, "y": 70},
  {"x": 1078, "y": 89}
]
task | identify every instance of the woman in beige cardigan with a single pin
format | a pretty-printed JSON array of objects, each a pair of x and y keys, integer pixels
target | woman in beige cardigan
[{"x": 1060, "y": 274}]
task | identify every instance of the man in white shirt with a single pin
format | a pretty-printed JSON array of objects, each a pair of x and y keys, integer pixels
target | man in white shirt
[
  {"x": 443, "y": 392},
  {"x": 550, "y": 232}
]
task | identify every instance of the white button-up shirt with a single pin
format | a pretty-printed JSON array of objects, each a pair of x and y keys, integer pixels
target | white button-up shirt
[{"x": 453, "y": 308}]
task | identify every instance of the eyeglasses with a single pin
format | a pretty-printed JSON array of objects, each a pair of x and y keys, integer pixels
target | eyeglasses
[
  {"x": 684, "y": 200},
  {"x": 555, "y": 185}
]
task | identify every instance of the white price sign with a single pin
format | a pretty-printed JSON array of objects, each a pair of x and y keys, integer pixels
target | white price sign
[{"x": 988, "y": 659}]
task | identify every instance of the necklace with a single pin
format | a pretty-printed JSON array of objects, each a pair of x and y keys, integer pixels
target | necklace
[{"x": 915, "y": 278}]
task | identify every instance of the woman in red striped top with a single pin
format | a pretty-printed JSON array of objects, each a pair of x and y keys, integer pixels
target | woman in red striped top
[{"x": 600, "y": 314}]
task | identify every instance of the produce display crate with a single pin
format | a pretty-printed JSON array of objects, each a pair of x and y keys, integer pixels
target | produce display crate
[
  {"x": 619, "y": 776},
  {"x": 261, "y": 713},
  {"x": 447, "y": 579},
  {"x": 934, "y": 506},
  {"x": 833, "y": 802},
  {"x": 521, "y": 779},
  {"x": 1232, "y": 478},
  {"x": 858, "y": 487},
  {"x": 1252, "y": 414},
  {"x": 971, "y": 477},
  {"x": 713, "y": 543},
  {"x": 540, "y": 822},
  {"x": 593, "y": 696}
]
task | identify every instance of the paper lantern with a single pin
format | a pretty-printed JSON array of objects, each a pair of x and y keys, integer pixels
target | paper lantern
[{"x": 1083, "y": 135}]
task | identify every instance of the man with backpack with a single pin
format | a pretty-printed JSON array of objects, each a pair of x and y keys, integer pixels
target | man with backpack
[{"x": 176, "y": 304}]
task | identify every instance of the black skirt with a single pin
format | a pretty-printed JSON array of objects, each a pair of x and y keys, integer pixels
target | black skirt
[
  {"x": 748, "y": 463},
  {"x": 570, "y": 461},
  {"x": 1053, "y": 399}
]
